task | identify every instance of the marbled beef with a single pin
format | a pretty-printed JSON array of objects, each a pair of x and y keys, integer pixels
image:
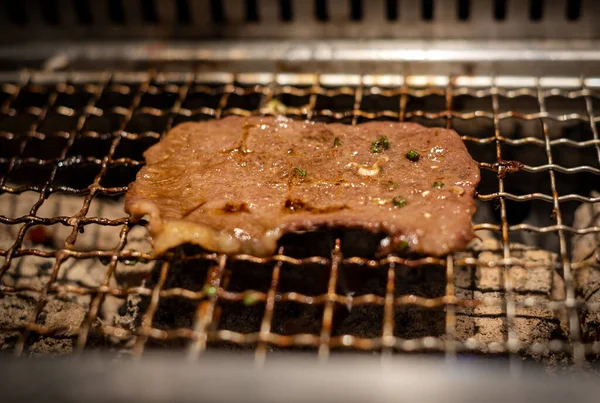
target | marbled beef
[{"x": 236, "y": 185}]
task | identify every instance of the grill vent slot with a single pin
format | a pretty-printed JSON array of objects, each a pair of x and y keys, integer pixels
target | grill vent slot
[
  {"x": 50, "y": 12},
  {"x": 216, "y": 10},
  {"x": 183, "y": 12},
  {"x": 536, "y": 10},
  {"x": 252, "y": 11},
  {"x": 463, "y": 10},
  {"x": 356, "y": 10},
  {"x": 116, "y": 12},
  {"x": 427, "y": 11},
  {"x": 83, "y": 12},
  {"x": 286, "y": 11},
  {"x": 391, "y": 10},
  {"x": 149, "y": 11},
  {"x": 321, "y": 10},
  {"x": 499, "y": 10},
  {"x": 17, "y": 12},
  {"x": 573, "y": 10}
]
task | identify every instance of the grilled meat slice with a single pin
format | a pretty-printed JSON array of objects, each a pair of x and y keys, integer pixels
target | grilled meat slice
[{"x": 236, "y": 185}]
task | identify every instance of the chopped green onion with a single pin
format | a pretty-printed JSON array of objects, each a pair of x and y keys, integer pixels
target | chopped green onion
[
  {"x": 210, "y": 290},
  {"x": 275, "y": 107},
  {"x": 379, "y": 145},
  {"x": 392, "y": 184},
  {"x": 438, "y": 185},
  {"x": 300, "y": 172},
  {"x": 413, "y": 155},
  {"x": 402, "y": 246},
  {"x": 399, "y": 201},
  {"x": 337, "y": 142},
  {"x": 250, "y": 299}
]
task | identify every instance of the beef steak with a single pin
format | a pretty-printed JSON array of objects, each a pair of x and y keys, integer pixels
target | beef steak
[{"x": 236, "y": 185}]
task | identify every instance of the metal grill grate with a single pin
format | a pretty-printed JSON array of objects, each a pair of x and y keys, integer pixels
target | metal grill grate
[{"x": 45, "y": 117}]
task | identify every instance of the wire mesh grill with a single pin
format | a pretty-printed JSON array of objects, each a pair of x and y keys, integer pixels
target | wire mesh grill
[{"x": 82, "y": 134}]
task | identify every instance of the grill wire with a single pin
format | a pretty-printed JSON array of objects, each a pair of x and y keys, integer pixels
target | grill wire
[{"x": 166, "y": 96}]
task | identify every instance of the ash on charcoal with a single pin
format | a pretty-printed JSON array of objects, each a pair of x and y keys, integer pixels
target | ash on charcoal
[
  {"x": 62, "y": 313},
  {"x": 14, "y": 311},
  {"x": 538, "y": 281},
  {"x": 586, "y": 250},
  {"x": 65, "y": 310}
]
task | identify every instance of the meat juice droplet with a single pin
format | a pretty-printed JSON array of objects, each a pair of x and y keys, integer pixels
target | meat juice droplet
[{"x": 435, "y": 153}]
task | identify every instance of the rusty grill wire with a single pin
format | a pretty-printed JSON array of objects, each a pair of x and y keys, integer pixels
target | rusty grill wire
[{"x": 220, "y": 89}]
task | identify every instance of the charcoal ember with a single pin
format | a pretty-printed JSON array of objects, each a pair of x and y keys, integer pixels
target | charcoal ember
[
  {"x": 14, "y": 312},
  {"x": 586, "y": 247},
  {"x": 586, "y": 252},
  {"x": 61, "y": 314},
  {"x": 535, "y": 280},
  {"x": 64, "y": 311}
]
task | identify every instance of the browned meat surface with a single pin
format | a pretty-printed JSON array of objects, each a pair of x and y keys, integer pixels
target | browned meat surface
[{"x": 236, "y": 185}]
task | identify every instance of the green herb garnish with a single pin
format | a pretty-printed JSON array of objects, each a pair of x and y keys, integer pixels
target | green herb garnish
[
  {"x": 379, "y": 145},
  {"x": 438, "y": 185},
  {"x": 300, "y": 172},
  {"x": 392, "y": 184},
  {"x": 413, "y": 155},
  {"x": 250, "y": 299},
  {"x": 210, "y": 290},
  {"x": 275, "y": 107},
  {"x": 337, "y": 142},
  {"x": 402, "y": 246},
  {"x": 399, "y": 201}
]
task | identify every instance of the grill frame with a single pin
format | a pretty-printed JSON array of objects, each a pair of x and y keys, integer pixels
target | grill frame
[
  {"x": 267, "y": 86},
  {"x": 61, "y": 380},
  {"x": 105, "y": 19}
]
